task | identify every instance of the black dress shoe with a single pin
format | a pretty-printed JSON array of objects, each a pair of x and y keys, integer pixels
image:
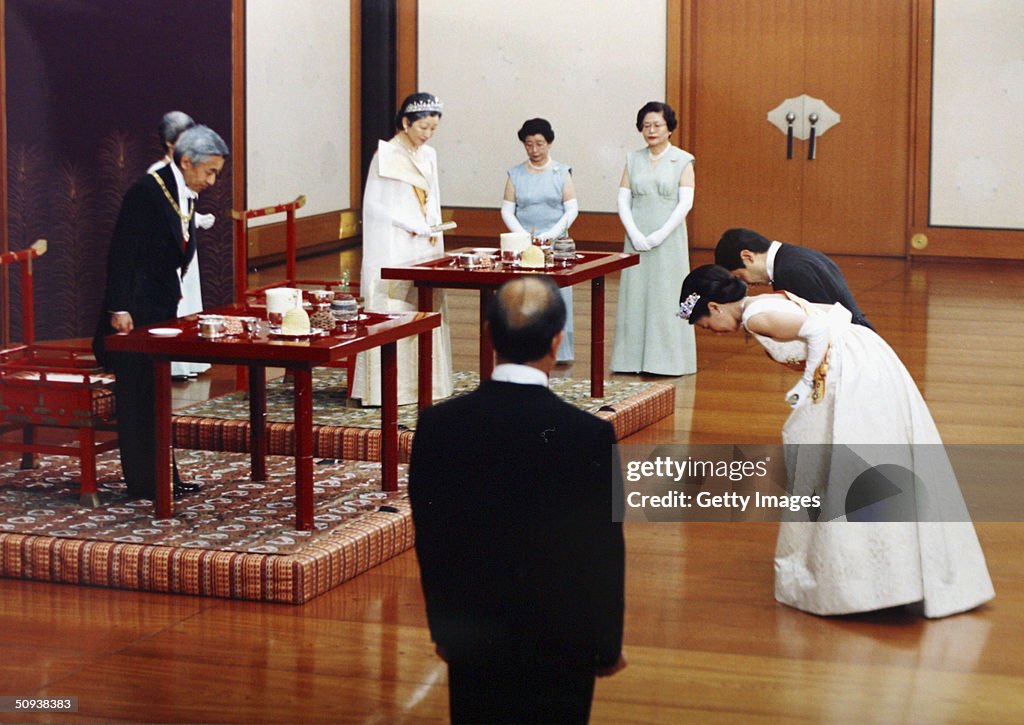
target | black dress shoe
[{"x": 181, "y": 488}]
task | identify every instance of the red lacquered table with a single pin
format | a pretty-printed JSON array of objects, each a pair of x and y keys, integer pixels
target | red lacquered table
[
  {"x": 299, "y": 356},
  {"x": 591, "y": 266}
]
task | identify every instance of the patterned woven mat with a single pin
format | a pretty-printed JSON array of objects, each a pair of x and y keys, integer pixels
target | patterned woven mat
[
  {"x": 329, "y": 397},
  {"x": 236, "y": 538},
  {"x": 231, "y": 513}
]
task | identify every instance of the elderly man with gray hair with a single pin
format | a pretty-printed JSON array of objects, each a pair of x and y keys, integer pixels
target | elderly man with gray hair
[
  {"x": 151, "y": 248},
  {"x": 172, "y": 125}
]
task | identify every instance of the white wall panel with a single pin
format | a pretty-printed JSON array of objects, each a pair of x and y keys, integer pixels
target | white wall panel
[
  {"x": 587, "y": 66},
  {"x": 297, "y": 103},
  {"x": 977, "y": 128}
]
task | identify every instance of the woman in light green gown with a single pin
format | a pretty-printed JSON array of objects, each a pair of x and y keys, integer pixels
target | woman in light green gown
[{"x": 655, "y": 195}]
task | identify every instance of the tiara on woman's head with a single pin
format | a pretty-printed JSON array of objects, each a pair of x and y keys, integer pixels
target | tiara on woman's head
[
  {"x": 431, "y": 107},
  {"x": 687, "y": 305}
]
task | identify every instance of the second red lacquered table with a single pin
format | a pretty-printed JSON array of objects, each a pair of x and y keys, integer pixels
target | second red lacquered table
[{"x": 593, "y": 266}]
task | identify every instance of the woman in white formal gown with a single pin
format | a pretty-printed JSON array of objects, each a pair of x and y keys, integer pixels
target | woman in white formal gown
[
  {"x": 858, "y": 420},
  {"x": 401, "y": 204}
]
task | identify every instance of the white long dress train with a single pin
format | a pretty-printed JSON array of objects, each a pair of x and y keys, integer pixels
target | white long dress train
[{"x": 872, "y": 416}]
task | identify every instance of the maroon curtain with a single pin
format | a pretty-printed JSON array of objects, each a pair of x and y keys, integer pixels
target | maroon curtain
[{"x": 87, "y": 83}]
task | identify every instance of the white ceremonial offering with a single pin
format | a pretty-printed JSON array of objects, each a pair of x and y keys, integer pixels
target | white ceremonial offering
[
  {"x": 512, "y": 245},
  {"x": 279, "y": 301},
  {"x": 295, "y": 322},
  {"x": 515, "y": 241},
  {"x": 532, "y": 258}
]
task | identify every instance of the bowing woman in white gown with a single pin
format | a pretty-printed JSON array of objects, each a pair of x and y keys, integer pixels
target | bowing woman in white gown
[
  {"x": 856, "y": 412},
  {"x": 401, "y": 203}
]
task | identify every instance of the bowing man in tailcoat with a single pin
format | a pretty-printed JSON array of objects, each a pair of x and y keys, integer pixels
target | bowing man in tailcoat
[
  {"x": 150, "y": 251},
  {"x": 805, "y": 272},
  {"x": 521, "y": 562}
]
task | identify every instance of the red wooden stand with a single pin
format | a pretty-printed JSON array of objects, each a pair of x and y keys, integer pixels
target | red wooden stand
[
  {"x": 242, "y": 291},
  {"x": 53, "y": 385}
]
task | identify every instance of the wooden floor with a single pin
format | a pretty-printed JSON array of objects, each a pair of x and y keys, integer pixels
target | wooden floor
[{"x": 704, "y": 638}]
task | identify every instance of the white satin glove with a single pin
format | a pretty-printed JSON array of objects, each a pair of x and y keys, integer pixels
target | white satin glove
[
  {"x": 418, "y": 228},
  {"x": 625, "y": 204},
  {"x": 508, "y": 215},
  {"x": 799, "y": 394},
  {"x": 816, "y": 333},
  {"x": 572, "y": 210},
  {"x": 205, "y": 221},
  {"x": 676, "y": 218}
]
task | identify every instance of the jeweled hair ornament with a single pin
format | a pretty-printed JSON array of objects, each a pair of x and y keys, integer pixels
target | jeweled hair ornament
[
  {"x": 687, "y": 305},
  {"x": 430, "y": 107}
]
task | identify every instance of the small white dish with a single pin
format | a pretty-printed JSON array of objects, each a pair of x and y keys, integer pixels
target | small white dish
[
  {"x": 313, "y": 332},
  {"x": 165, "y": 331}
]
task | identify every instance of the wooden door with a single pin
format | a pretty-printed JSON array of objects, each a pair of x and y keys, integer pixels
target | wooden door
[{"x": 749, "y": 56}]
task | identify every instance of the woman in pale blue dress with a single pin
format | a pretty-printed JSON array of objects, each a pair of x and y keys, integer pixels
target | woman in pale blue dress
[
  {"x": 540, "y": 199},
  {"x": 655, "y": 195}
]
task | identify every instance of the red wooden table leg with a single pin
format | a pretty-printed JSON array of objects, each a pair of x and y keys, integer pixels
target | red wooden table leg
[
  {"x": 257, "y": 422},
  {"x": 486, "y": 348},
  {"x": 162, "y": 408},
  {"x": 29, "y": 459},
  {"x": 425, "y": 371},
  {"x": 303, "y": 382},
  {"x": 87, "y": 495},
  {"x": 389, "y": 416},
  {"x": 597, "y": 337}
]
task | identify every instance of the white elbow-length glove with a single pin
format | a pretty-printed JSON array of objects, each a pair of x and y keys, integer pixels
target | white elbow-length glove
[
  {"x": 572, "y": 210},
  {"x": 674, "y": 219},
  {"x": 626, "y": 216},
  {"x": 416, "y": 227},
  {"x": 508, "y": 215},
  {"x": 815, "y": 332}
]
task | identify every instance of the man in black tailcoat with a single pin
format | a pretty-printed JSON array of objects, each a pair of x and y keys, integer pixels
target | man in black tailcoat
[
  {"x": 152, "y": 246},
  {"x": 512, "y": 494},
  {"x": 805, "y": 272}
]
